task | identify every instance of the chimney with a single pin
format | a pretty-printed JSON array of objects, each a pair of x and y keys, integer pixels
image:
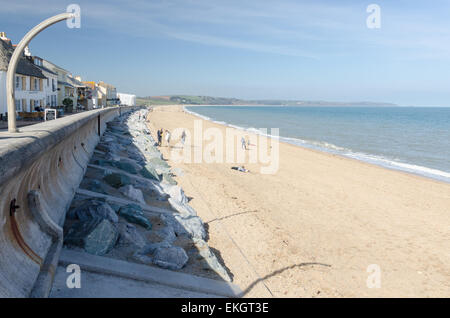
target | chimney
[
  {"x": 5, "y": 39},
  {"x": 27, "y": 52}
]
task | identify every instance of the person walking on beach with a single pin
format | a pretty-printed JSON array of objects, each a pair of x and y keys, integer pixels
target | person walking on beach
[
  {"x": 159, "y": 133},
  {"x": 168, "y": 137},
  {"x": 244, "y": 144},
  {"x": 183, "y": 137}
]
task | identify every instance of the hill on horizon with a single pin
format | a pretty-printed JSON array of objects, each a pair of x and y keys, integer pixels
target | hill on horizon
[{"x": 209, "y": 100}]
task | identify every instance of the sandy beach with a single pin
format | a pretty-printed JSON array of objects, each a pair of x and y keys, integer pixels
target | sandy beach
[{"x": 321, "y": 226}]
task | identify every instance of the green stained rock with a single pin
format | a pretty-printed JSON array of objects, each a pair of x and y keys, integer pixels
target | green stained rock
[
  {"x": 158, "y": 162},
  {"x": 95, "y": 186},
  {"x": 167, "y": 178},
  {"x": 128, "y": 167},
  {"x": 133, "y": 214},
  {"x": 96, "y": 236},
  {"x": 150, "y": 173},
  {"x": 117, "y": 180},
  {"x": 103, "y": 163}
]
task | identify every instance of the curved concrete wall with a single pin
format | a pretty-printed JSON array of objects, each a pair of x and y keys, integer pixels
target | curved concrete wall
[{"x": 49, "y": 159}]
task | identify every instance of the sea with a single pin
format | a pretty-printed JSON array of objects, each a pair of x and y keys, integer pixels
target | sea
[{"x": 410, "y": 139}]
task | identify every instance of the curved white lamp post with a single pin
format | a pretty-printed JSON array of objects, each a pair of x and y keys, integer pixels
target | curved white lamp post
[{"x": 15, "y": 59}]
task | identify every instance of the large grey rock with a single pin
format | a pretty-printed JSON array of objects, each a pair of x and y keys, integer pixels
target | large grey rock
[
  {"x": 182, "y": 208},
  {"x": 210, "y": 261},
  {"x": 133, "y": 193},
  {"x": 126, "y": 166},
  {"x": 152, "y": 188},
  {"x": 136, "y": 164},
  {"x": 150, "y": 173},
  {"x": 95, "y": 186},
  {"x": 167, "y": 178},
  {"x": 103, "y": 147},
  {"x": 111, "y": 156},
  {"x": 133, "y": 213},
  {"x": 96, "y": 236},
  {"x": 170, "y": 257},
  {"x": 152, "y": 247},
  {"x": 190, "y": 226},
  {"x": 167, "y": 234},
  {"x": 117, "y": 180},
  {"x": 177, "y": 194},
  {"x": 129, "y": 235},
  {"x": 163, "y": 255},
  {"x": 123, "y": 140},
  {"x": 91, "y": 209},
  {"x": 158, "y": 163},
  {"x": 103, "y": 162}
]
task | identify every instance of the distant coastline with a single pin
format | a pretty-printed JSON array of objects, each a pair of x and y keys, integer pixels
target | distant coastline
[{"x": 188, "y": 100}]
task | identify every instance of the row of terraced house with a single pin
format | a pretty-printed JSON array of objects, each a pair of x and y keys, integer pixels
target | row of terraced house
[{"x": 41, "y": 84}]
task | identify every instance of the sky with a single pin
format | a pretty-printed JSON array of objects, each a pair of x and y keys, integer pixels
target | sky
[{"x": 251, "y": 49}]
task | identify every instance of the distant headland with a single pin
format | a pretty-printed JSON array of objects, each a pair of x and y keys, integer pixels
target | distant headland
[{"x": 209, "y": 100}]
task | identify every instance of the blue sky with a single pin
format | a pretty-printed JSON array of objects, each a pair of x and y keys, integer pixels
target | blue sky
[{"x": 280, "y": 49}]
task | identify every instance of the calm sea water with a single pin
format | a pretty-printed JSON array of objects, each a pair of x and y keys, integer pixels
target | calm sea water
[{"x": 410, "y": 139}]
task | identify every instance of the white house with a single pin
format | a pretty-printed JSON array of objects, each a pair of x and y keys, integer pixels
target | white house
[
  {"x": 28, "y": 80},
  {"x": 50, "y": 84},
  {"x": 64, "y": 87},
  {"x": 127, "y": 99},
  {"x": 107, "y": 94}
]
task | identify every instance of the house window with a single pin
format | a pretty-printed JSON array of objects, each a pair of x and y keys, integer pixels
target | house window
[
  {"x": 18, "y": 104},
  {"x": 36, "y": 85},
  {"x": 48, "y": 82},
  {"x": 53, "y": 85},
  {"x": 18, "y": 83}
]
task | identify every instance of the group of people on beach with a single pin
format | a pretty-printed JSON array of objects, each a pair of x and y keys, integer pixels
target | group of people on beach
[{"x": 167, "y": 136}]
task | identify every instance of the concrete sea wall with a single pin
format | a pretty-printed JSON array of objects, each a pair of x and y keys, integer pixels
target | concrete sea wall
[{"x": 40, "y": 169}]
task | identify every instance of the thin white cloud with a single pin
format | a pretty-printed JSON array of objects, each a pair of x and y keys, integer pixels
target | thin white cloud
[{"x": 307, "y": 29}]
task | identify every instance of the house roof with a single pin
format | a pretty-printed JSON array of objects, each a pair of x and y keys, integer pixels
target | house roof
[
  {"x": 54, "y": 65},
  {"x": 43, "y": 68},
  {"x": 65, "y": 83},
  {"x": 24, "y": 67},
  {"x": 75, "y": 82}
]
